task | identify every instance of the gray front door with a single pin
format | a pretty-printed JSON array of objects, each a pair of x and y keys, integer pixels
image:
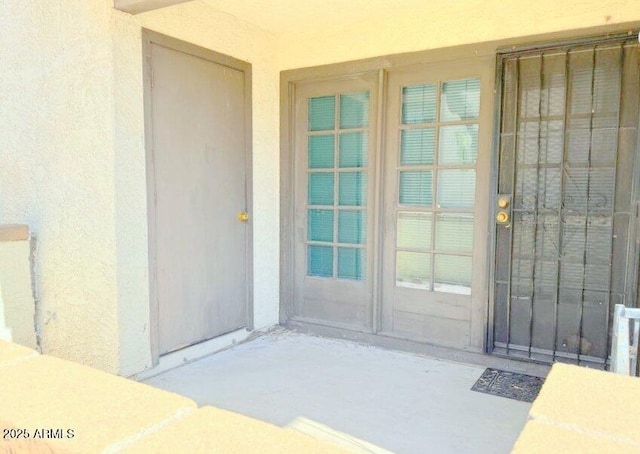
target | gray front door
[
  {"x": 565, "y": 210},
  {"x": 198, "y": 170}
]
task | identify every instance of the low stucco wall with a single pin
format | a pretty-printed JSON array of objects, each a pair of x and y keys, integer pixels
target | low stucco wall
[
  {"x": 57, "y": 406},
  {"x": 17, "y": 305},
  {"x": 580, "y": 410}
]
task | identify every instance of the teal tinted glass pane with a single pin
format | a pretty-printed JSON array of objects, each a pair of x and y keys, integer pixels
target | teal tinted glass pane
[
  {"x": 416, "y": 188},
  {"x": 456, "y": 188},
  {"x": 320, "y": 225},
  {"x": 454, "y": 232},
  {"x": 354, "y": 110},
  {"x": 352, "y": 189},
  {"x": 351, "y": 264},
  {"x": 321, "y": 151},
  {"x": 418, "y": 146},
  {"x": 320, "y": 261},
  {"x": 414, "y": 230},
  {"x": 452, "y": 274},
  {"x": 458, "y": 144},
  {"x": 413, "y": 269},
  {"x": 419, "y": 104},
  {"x": 460, "y": 100},
  {"x": 322, "y": 113},
  {"x": 353, "y": 149},
  {"x": 320, "y": 188},
  {"x": 352, "y": 227}
]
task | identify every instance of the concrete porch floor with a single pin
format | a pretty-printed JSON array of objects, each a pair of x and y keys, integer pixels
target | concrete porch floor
[{"x": 399, "y": 401}]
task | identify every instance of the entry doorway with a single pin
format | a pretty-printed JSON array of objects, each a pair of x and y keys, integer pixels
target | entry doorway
[
  {"x": 198, "y": 136},
  {"x": 388, "y": 230}
]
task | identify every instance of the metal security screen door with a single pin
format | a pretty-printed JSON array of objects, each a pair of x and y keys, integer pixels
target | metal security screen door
[{"x": 566, "y": 203}]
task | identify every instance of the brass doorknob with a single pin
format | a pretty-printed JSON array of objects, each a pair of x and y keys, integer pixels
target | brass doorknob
[
  {"x": 502, "y": 217},
  {"x": 503, "y": 202},
  {"x": 243, "y": 216}
]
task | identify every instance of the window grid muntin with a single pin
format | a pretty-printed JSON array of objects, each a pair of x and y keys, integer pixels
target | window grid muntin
[
  {"x": 435, "y": 169},
  {"x": 336, "y": 170}
]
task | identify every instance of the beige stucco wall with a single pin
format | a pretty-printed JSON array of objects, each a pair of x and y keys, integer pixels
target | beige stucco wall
[
  {"x": 72, "y": 140},
  {"x": 448, "y": 23},
  {"x": 56, "y": 150}
]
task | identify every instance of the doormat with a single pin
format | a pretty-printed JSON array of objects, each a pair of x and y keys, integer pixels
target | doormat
[{"x": 511, "y": 385}]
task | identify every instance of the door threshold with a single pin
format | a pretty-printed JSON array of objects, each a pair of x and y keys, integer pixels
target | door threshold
[
  {"x": 466, "y": 356},
  {"x": 195, "y": 352}
]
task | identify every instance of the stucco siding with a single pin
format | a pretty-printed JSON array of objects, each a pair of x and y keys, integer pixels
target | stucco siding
[
  {"x": 129, "y": 171},
  {"x": 56, "y": 150}
]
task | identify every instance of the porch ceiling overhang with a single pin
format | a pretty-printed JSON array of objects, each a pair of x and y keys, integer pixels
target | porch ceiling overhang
[
  {"x": 289, "y": 17},
  {"x": 285, "y": 18},
  {"x": 140, "y": 6}
]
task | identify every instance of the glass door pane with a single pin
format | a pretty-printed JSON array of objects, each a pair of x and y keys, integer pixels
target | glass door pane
[
  {"x": 334, "y": 143},
  {"x": 337, "y": 170},
  {"x": 431, "y": 154},
  {"x": 451, "y": 162}
]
